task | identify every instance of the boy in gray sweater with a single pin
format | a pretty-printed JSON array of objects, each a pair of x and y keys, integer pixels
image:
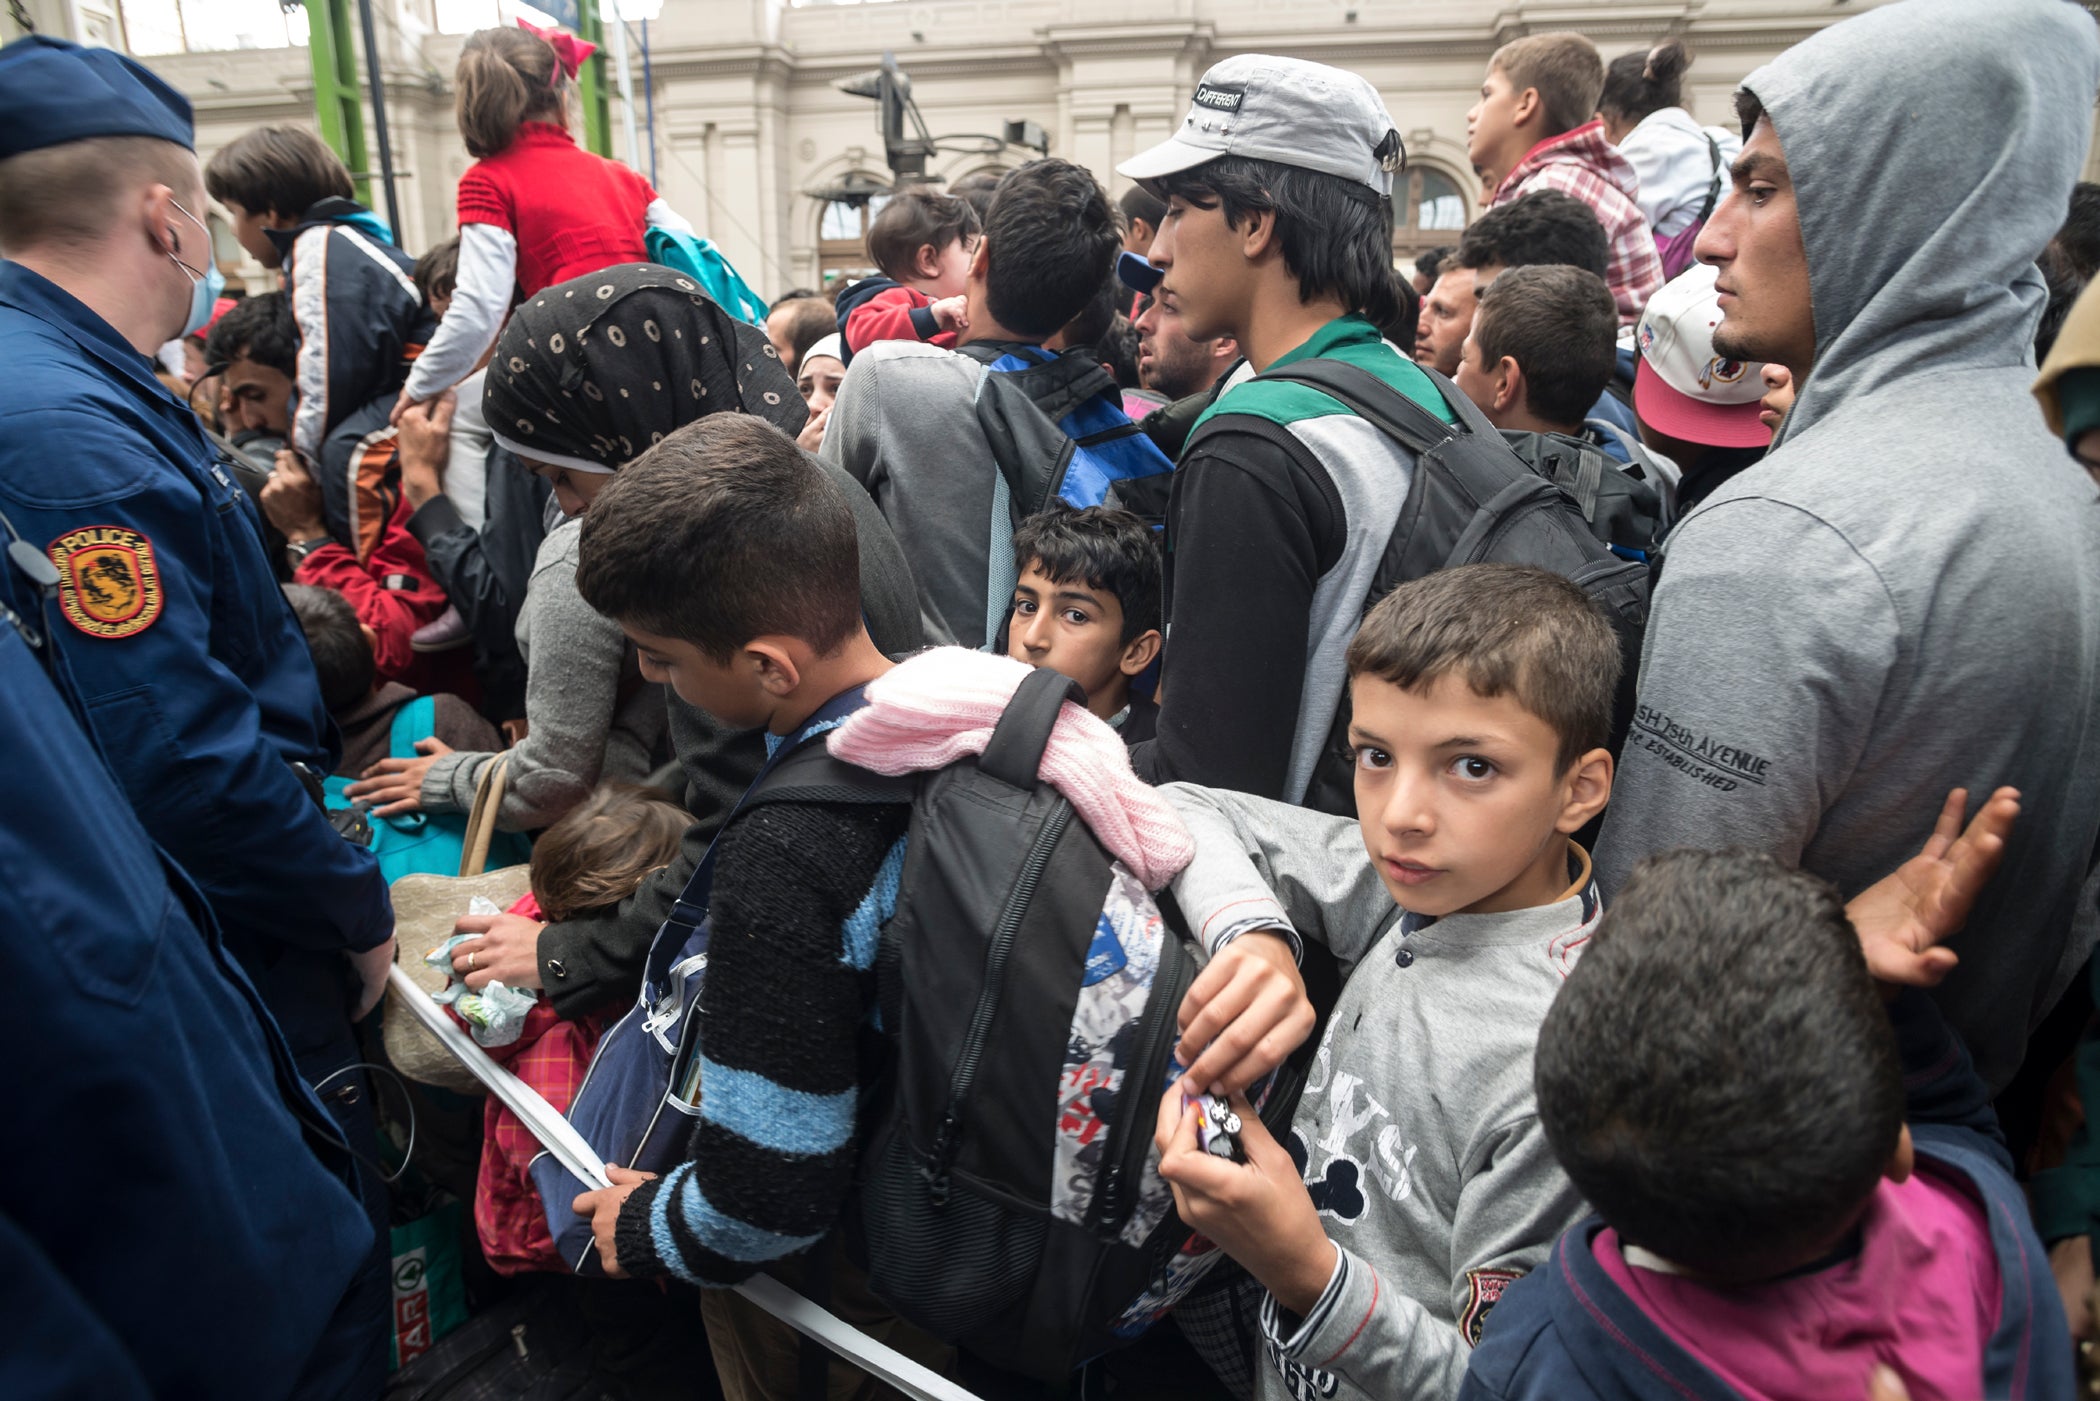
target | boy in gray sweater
[{"x": 1416, "y": 1183}]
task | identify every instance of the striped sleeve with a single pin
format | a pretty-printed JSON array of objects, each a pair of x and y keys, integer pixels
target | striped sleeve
[{"x": 800, "y": 897}]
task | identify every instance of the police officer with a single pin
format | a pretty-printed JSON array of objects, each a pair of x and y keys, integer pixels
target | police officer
[
  {"x": 180, "y": 1215},
  {"x": 191, "y": 675}
]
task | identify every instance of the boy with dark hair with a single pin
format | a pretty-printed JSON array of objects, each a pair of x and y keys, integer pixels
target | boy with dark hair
[
  {"x": 1143, "y": 212},
  {"x": 1278, "y": 233},
  {"x": 437, "y": 275},
  {"x": 1417, "y": 1182},
  {"x": 905, "y": 424},
  {"x": 923, "y": 242},
  {"x": 361, "y": 318},
  {"x": 1088, "y": 604},
  {"x": 1721, "y": 1081},
  {"x": 731, "y": 560},
  {"x": 1535, "y": 127},
  {"x": 1542, "y": 227},
  {"x": 1544, "y": 345},
  {"x": 359, "y": 700}
]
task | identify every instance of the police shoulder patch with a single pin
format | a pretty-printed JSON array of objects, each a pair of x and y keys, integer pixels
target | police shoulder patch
[
  {"x": 108, "y": 582},
  {"x": 1485, "y": 1293}
]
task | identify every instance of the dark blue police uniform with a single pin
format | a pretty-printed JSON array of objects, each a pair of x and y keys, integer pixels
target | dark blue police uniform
[
  {"x": 188, "y": 669},
  {"x": 178, "y": 1214}
]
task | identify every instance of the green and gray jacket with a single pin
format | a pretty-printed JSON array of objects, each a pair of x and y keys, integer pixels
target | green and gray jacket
[{"x": 1281, "y": 508}]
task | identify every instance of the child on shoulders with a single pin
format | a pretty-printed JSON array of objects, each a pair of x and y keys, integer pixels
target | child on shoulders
[
  {"x": 923, "y": 242},
  {"x": 1087, "y": 604},
  {"x": 535, "y": 208},
  {"x": 1417, "y": 1182}
]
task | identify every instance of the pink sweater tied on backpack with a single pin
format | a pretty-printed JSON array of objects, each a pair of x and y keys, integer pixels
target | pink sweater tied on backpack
[{"x": 941, "y": 705}]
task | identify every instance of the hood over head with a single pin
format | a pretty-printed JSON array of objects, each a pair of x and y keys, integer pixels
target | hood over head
[{"x": 1932, "y": 146}]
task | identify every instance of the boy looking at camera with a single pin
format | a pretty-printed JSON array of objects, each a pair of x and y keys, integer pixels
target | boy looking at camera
[
  {"x": 1087, "y": 605},
  {"x": 1417, "y": 1182}
]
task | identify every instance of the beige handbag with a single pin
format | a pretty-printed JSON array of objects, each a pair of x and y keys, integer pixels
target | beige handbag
[{"x": 425, "y": 908}]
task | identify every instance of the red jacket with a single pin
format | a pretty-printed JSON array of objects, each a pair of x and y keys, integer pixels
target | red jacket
[
  {"x": 897, "y": 313},
  {"x": 392, "y": 591},
  {"x": 570, "y": 211}
]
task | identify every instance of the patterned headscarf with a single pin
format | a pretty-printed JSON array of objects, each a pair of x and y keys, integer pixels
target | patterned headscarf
[{"x": 590, "y": 372}]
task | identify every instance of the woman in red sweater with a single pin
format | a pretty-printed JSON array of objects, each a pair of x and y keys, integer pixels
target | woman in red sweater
[{"x": 534, "y": 208}]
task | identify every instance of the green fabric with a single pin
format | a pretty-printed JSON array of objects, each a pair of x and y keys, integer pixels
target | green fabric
[
  {"x": 1353, "y": 341},
  {"x": 2067, "y": 1198},
  {"x": 2078, "y": 397},
  {"x": 430, "y": 1293}
]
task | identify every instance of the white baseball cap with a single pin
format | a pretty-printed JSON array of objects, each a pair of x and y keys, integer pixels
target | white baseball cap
[
  {"x": 1284, "y": 110},
  {"x": 1683, "y": 388}
]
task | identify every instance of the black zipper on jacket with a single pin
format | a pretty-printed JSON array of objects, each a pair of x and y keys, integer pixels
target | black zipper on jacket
[
  {"x": 1126, "y": 1148},
  {"x": 1002, "y": 942}
]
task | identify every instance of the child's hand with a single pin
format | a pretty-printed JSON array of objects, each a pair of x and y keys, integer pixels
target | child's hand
[
  {"x": 952, "y": 313},
  {"x": 1257, "y": 1211},
  {"x": 1245, "y": 1012},
  {"x": 603, "y": 1209},
  {"x": 1902, "y": 917},
  {"x": 508, "y": 950}
]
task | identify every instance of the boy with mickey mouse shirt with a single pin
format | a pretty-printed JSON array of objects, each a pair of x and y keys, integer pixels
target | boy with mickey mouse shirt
[{"x": 1417, "y": 1182}]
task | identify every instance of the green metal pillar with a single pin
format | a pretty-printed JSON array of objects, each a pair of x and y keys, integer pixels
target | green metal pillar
[
  {"x": 597, "y": 112},
  {"x": 338, "y": 106}
]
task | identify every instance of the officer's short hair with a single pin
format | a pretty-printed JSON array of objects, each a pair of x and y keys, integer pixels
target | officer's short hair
[
  {"x": 342, "y": 657},
  {"x": 68, "y": 195},
  {"x": 723, "y": 532}
]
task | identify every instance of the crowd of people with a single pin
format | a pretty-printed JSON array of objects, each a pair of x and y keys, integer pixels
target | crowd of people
[{"x": 1582, "y": 703}]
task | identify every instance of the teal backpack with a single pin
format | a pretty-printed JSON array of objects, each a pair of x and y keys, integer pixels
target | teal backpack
[
  {"x": 422, "y": 843},
  {"x": 699, "y": 259}
]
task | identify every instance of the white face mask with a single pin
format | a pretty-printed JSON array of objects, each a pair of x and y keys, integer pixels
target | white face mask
[{"x": 205, "y": 287}]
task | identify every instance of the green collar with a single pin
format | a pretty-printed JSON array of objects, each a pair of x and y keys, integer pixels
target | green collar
[{"x": 1351, "y": 339}]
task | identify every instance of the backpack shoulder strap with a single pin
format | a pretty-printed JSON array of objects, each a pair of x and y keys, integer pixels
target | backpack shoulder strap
[
  {"x": 1368, "y": 397},
  {"x": 1015, "y": 750},
  {"x": 413, "y": 721},
  {"x": 811, "y": 775}
]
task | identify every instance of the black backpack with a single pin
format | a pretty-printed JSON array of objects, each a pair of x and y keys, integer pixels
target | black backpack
[
  {"x": 1028, "y": 989},
  {"x": 1623, "y": 502},
  {"x": 1472, "y": 501}
]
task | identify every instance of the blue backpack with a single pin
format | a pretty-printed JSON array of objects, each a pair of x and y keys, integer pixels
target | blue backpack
[
  {"x": 639, "y": 1100},
  {"x": 420, "y": 843},
  {"x": 699, "y": 259},
  {"x": 1057, "y": 431}
]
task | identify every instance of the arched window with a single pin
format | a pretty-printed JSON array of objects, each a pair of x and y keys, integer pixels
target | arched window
[
  {"x": 1429, "y": 209},
  {"x": 842, "y": 227}
]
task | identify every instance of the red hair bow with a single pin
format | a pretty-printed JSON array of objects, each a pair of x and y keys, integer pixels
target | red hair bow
[{"x": 569, "y": 51}]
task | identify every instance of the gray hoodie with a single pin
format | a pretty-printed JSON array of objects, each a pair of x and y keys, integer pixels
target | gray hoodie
[
  {"x": 1418, "y": 1134},
  {"x": 1904, "y": 596}
]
